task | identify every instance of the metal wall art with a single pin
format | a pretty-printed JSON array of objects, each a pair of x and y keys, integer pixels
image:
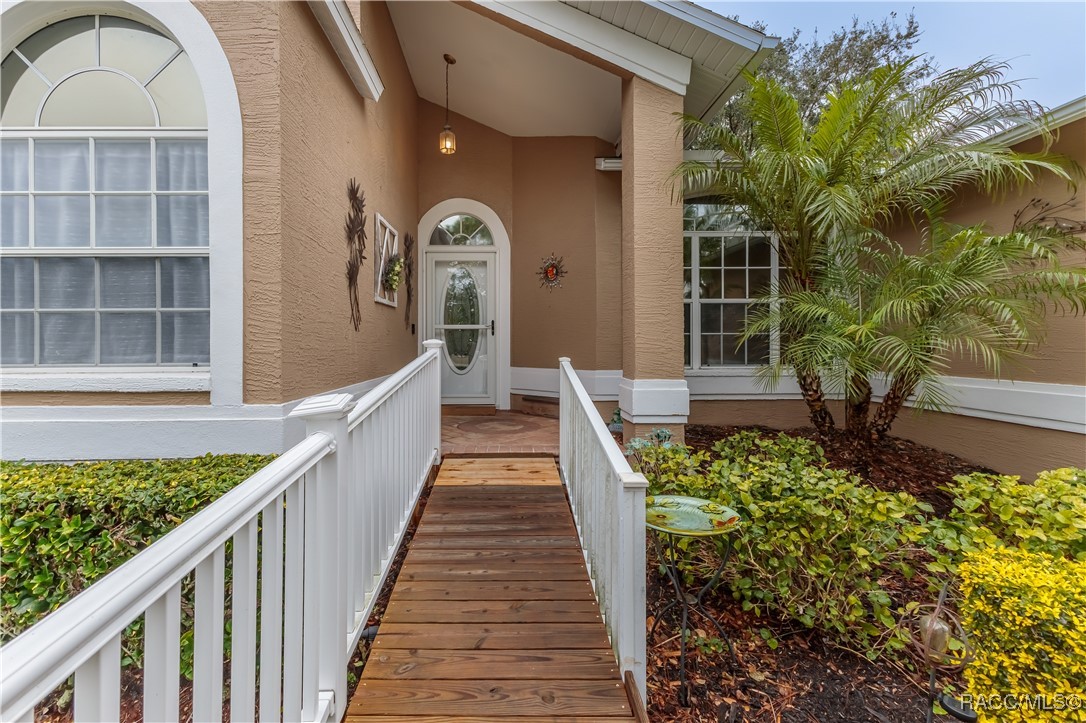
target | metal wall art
[
  {"x": 355, "y": 228},
  {"x": 551, "y": 272},
  {"x": 409, "y": 276}
]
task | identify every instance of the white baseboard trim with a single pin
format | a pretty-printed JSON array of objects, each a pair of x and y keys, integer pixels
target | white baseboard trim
[
  {"x": 601, "y": 385},
  {"x": 141, "y": 432},
  {"x": 1033, "y": 404}
]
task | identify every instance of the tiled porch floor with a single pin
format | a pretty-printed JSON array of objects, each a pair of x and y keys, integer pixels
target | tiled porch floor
[{"x": 501, "y": 433}]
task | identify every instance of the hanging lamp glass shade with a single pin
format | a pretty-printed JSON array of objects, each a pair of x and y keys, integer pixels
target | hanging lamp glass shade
[{"x": 447, "y": 141}]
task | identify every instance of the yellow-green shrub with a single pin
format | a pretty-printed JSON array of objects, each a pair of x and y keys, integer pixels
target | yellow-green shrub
[
  {"x": 1025, "y": 613},
  {"x": 64, "y": 526}
]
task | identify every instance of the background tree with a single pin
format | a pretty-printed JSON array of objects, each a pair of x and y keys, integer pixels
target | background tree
[
  {"x": 811, "y": 69},
  {"x": 878, "y": 150}
]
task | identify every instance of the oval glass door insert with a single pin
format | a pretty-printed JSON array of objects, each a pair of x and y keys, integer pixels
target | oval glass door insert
[{"x": 462, "y": 307}]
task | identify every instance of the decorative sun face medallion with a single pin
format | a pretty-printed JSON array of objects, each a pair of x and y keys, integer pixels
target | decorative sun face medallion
[{"x": 551, "y": 272}]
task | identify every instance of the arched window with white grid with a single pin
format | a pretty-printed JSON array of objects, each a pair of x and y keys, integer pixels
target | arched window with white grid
[{"x": 104, "y": 215}]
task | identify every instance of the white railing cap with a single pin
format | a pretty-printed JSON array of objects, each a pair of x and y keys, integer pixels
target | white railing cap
[
  {"x": 433, "y": 344},
  {"x": 633, "y": 480},
  {"x": 332, "y": 406}
]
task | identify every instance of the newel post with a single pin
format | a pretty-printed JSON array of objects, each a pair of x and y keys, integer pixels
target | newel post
[
  {"x": 632, "y": 594},
  {"x": 435, "y": 396},
  {"x": 325, "y": 587}
]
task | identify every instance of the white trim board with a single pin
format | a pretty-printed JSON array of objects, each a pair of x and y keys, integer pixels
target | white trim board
[
  {"x": 630, "y": 52},
  {"x": 108, "y": 380},
  {"x": 338, "y": 24},
  {"x": 141, "y": 432}
]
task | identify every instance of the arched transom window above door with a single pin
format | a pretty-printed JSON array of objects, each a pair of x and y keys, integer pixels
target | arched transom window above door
[
  {"x": 104, "y": 218},
  {"x": 461, "y": 229}
]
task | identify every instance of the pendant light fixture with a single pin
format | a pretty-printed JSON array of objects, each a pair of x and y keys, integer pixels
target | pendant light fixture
[{"x": 447, "y": 140}]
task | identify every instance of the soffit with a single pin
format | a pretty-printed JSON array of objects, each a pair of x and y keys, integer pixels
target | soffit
[
  {"x": 719, "y": 49},
  {"x": 502, "y": 78}
]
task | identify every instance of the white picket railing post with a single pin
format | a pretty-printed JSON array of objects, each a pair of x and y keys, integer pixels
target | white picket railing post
[
  {"x": 328, "y": 414},
  {"x": 434, "y": 391},
  {"x": 608, "y": 502}
]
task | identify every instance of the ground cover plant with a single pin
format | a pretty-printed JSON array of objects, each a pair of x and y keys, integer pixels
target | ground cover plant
[{"x": 826, "y": 566}]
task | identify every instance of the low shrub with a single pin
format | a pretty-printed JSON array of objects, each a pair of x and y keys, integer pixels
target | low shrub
[
  {"x": 64, "y": 526},
  {"x": 1047, "y": 516},
  {"x": 1025, "y": 613},
  {"x": 816, "y": 543}
]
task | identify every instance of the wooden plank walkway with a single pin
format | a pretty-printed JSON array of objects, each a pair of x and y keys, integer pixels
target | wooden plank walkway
[{"x": 492, "y": 616}]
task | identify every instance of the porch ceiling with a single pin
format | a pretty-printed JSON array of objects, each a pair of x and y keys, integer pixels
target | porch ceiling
[{"x": 502, "y": 78}]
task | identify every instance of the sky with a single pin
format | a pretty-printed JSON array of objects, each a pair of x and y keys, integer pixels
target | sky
[{"x": 1045, "y": 42}]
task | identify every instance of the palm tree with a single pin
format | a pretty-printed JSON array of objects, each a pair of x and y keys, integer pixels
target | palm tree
[
  {"x": 879, "y": 151},
  {"x": 882, "y": 314}
]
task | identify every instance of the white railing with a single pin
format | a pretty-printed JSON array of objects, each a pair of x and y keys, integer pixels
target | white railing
[
  {"x": 608, "y": 501},
  {"x": 311, "y": 536}
]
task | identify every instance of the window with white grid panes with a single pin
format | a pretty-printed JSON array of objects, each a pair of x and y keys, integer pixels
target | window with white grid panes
[
  {"x": 726, "y": 268},
  {"x": 103, "y": 200}
]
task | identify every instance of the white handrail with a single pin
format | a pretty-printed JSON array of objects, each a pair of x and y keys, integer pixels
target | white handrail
[
  {"x": 352, "y": 480},
  {"x": 608, "y": 502}
]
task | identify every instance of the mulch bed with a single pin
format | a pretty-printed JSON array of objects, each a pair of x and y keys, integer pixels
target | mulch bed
[{"x": 804, "y": 680}]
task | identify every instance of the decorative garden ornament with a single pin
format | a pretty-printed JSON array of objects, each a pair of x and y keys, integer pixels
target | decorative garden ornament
[{"x": 551, "y": 272}]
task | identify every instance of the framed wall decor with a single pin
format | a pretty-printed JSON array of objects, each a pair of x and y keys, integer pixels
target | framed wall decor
[{"x": 387, "y": 251}]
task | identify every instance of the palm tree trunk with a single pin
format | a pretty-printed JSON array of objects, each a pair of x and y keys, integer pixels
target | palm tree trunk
[
  {"x": 858, "y": 410},
  {"x": 899, "y": 391},
  {"x": 811, "y": 386}
]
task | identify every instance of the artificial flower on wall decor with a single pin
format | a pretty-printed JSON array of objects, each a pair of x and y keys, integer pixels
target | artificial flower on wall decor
[
  {"x": 393, "y": 274},
  {"x": 355, "y": 229},
  {"x": 551, "y": 272}
]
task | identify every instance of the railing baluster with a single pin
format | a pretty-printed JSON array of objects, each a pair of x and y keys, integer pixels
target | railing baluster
[
  {"x": 294, "y": 577},
  {"x": 208, "y": 650},
  {"x": 98, "y": 685},
  {"x": 311, "y": 593},
  {"x": 243, "y": 626},
  {"x": 162, "y": 658},
  {"x": 271, "y": 609}
]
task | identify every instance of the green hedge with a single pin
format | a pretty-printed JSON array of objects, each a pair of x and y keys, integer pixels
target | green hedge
[
  {"x": 64, "y": 526},
  {"x": 1047, "y": 515},
  {"x": 816, "y": 544},
  {"x": 1025, "y": 614}
]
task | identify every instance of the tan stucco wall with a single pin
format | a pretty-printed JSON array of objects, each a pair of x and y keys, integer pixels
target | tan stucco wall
[
  {"x": 249, "y": 35},
  {"x": 307, "y": 132},
  {"x": 652, "y": 321},
  {"x": 1062, "y": 357},
  {"x": 550, "y": 199}
]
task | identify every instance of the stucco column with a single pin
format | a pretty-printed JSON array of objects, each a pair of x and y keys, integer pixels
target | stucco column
[{"x": 653, "y": 392}]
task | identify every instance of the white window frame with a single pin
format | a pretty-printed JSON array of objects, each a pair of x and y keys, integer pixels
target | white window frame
[
  {"x": 695, "y": 368},
  {"x": 187, "y": 26}
]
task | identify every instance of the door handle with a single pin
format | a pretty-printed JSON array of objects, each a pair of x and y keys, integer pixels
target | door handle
[{"x": 492, "y": 327}]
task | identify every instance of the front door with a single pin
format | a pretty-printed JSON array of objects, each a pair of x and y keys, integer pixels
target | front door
[{"x": 461, "y": 313}]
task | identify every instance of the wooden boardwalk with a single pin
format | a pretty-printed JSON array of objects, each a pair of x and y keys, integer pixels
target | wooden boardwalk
[{"x": 492, "y": 617}]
